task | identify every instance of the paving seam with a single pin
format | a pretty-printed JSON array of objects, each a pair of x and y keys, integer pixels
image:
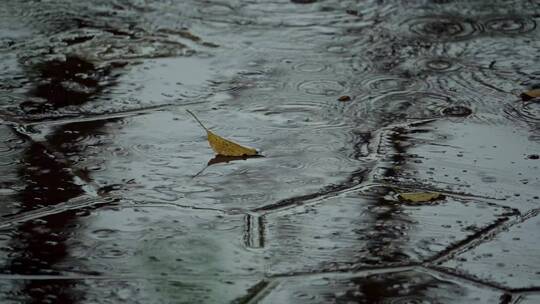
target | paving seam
[{"x": 485, "y": 235}]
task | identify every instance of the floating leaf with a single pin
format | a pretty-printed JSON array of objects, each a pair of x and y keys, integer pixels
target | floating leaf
[
  {"x": 528, "y": 95},
  {"x": 224, "y": 146},
  {"x": 420, "y": 197}
]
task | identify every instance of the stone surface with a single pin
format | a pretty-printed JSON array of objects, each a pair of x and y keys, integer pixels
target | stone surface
[
  {"x": 470, "y": 159},
  {"x": 510, "y": 259},
  {"x": 398, "y": 287},
  {"x": 114, "y": 290},
  {"x": 109, "y": 192},
  {"x": 529, "y": 299},
  {"x": 370, "y": 229}
]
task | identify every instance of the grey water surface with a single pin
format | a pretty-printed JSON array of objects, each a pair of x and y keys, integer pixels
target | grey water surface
[{"x": 111, "y": 194}]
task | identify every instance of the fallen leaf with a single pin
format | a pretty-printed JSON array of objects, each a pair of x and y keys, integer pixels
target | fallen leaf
[
  {"x": 224, "y": 146},
  {"x": 420, "y": 197},
  {"x": 345, "y": 98},
  {"x": 528, "y": 95}
]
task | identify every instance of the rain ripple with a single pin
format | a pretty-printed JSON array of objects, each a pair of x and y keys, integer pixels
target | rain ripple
[
  {"x": 322, "y": 87},
  {"x": 528, "y": 112},
  {"x": 448, "y": 28},
  {"x": 401, "y": 106},
  {"x": 10, "y": 146},
  {"x": 443, "y": 28},
  {"x": 300, "y": 114},
  {"x": 384, "y": 84},
  {"x": 509, "y": 25},
  {"x": 438, "y": 64}
]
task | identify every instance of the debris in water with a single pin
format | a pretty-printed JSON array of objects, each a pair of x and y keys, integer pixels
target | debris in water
[
  {"x": 420, "y": 197},
  {"x": 345, "y": 98},
  {"x": 223, "y": 146},
  {"x": 528, "y": 95}
]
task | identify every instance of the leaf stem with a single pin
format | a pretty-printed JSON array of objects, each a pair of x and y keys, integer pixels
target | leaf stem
[{"x": 197, "y": 119}]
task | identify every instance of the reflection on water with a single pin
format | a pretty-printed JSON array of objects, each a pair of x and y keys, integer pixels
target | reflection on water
[
  {"x": 38, "y": 247},
  {"x": 92, "y": 106},
  {"x": 386, "y": 288}
]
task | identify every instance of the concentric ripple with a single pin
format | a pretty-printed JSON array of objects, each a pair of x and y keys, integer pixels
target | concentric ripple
[
  {"x": 443, "y": 28},
  {"x": 510, "y": 25},
  {"x": 400, "y": 106},
  {"x": 310, "y": 67},
  {"x": 408, "y": 299},
  {"x": 300, "y": 114},
  {"x": 388, "y": 83},
  {"x": 528, "y": 112},
  {"x": 457, "y": 111},
  {"x": 322, "y": 87},
  {"x": 439, "y": 64}
]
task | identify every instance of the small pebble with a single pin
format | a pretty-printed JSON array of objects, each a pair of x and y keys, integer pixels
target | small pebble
[{"x": 345, "y": 98}]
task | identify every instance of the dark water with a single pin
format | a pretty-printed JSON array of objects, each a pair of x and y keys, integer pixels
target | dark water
[{"x": 99, "y": 203}]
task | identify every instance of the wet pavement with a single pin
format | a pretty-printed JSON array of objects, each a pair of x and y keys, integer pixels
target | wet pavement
[{"x": 110, "y": 193}]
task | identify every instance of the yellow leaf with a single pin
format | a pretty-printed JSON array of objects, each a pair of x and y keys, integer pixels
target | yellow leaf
[
  {"x": 420, "y": 197},
  {"x": 224, "y": 146},
  {"x": 530, "y": 94}
]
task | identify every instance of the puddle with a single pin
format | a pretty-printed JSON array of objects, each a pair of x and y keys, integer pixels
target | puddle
[
  {"x": 110, "y": 188},
  {"x": 398, "y": 287},
  {"x": 165, "y": 81},
  {"x": 495, "y": 261},
  {"x": 367, "y": 229}
]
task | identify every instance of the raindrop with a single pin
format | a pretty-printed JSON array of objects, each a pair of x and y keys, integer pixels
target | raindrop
[
  {"x": 510, "y": 25},
  {"x": 457, "y": 111},
  {"x": 443, "y": 28}
]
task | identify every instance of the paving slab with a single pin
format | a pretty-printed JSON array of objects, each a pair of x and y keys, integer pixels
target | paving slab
[
  {"x": 11, "y": 146},
  {"x": 119, "y": 253},
  {"x": 112, "y": 291},
  {"x": 109, "y": 192},
  {"x": 162, "y": 157},
  {"x": 370, "y": 228},
  {"x": 510, "y": 259},
  {"x": 397, "y": 287},
  {"x": 529, "y": 299},
  {"x": 133, "y": 241},
  {"x": 468, "y": 158}
]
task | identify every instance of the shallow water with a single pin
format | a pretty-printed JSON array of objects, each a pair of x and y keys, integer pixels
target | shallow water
[{"x": 111, "y": 194}]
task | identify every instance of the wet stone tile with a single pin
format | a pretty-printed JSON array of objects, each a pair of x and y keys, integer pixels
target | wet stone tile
[
  {"x": 369, "y": 229},
  {"x": 529, "y": 299},
  {"x": 11, "y": 146},
  {"x": 166, "y": 255},
  {"x": 131, "y": 241},
  {"x": 112, "y": 291},
  {"x": 398, "y": 287},
  {"x": 154, "y": 158},
  {"x": 68, "y": 85},
  {"x": 7, "y": 292},
  {"x": 269, "y": 78},
  {"x": 450, "y": 156},
  {"x": 154, "y": 83},
  {"x": 510, "y": 259}
]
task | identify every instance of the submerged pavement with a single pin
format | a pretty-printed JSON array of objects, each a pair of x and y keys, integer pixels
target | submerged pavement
[{"x": 110, "y": 193}]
